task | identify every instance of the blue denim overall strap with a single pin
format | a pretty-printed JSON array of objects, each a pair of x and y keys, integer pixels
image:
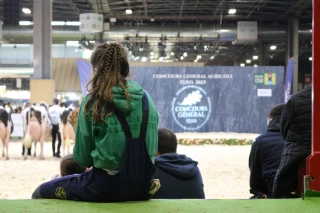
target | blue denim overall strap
[{"x": 137, "y": 169}]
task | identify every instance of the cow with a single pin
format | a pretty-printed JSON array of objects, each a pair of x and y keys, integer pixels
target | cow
[
  {"x": 36, "y": 123},
  {"x": 5, "y": 130},
  {"x": 67, "y": 131}
]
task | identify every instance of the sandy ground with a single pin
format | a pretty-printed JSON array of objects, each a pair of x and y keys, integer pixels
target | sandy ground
[{"x": 224, "y": 170}]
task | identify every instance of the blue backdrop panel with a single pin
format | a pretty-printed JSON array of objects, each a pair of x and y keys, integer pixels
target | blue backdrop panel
[{"x": 213, "y": 99}]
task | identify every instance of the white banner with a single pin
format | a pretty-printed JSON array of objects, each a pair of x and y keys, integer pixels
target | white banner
[{"x": 18, "y": 125}]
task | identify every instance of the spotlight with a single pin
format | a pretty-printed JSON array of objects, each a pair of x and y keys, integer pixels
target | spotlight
[
  {"x": 128, "y": 11},
  {"x": 212, "y": 57},
  {"x": 181, "y": 58},
  {"x": 248, "y": 61},
  {"x": 199, "y": 56},
  {"x": 232, "y": 11},
  {"x": 172, "y": 53},
  {"x": 144, "y": 59},
  {"x": 310, "y": 59},
  {"x": 185, "y": 54},
  {"x": 273, "y": 47},
  {"x": 255, "y": 57},
  {"x": 256, "y": 65},
  {"x": 242, "y": 65},
  {"x": 151, "y": 53},
  {"x": 26, "y": 10}
]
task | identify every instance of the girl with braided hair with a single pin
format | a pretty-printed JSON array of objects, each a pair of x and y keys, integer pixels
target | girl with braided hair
[{"x": 116, "y": 135}]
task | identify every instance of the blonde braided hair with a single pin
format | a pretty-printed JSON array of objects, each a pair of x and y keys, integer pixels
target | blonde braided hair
[{"x": 112, "y": 69}]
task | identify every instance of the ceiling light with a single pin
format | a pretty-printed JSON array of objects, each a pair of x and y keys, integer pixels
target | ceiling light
[
  {"x": 248, "y": 61},
  {"x": 26, "y": 10},
  {"x": 151, "y": 53},
  {"x": 172, "y": 53},
  {"x": 232, "y": 11},
  {"x": 242, "y": 65},
  {"x": 73, "y": 23},
  {"x": 144, "y": 59},
  {"x": 273, "y": 47},
  {"x": 224, "y": 31},
  {"x": 181, "y": 58},
  {"x": 199, "y": 56},
  {"x": 25, "y": 23},
  {"x": 185, "y": 54},
  {"x": 212, "y": 57},
  {"x": 58, "y": 23},
  {"x": 255, "y": 57},
  {"x": 256, "y": 65},
  {"x": 195, "y": 60},
  {"x": 128, "y": 11},
  {"x": 310, "y": 59}
]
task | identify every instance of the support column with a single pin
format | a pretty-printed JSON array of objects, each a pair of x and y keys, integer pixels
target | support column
[
  {"x": 262, "y": 54},
  {"x": 42, "y": 40},
  {"x": 99, "y": 38},
  {"x": 295, "y": 83},
  {"x": 293, "y": 51}
]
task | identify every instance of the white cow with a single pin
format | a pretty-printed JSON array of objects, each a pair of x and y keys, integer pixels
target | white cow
[
  {"x": 67, "y": 132},
  {"x": 5, "y": 130}
]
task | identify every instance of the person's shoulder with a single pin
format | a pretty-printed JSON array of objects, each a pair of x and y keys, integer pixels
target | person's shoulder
[{"x": 268, "y": 137}]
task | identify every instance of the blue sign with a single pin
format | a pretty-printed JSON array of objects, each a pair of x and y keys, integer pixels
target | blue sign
[
  {"x": 211, "y": 99},
  {"x": 85, "y": 74},
  {"x": 288, "y": 80}
]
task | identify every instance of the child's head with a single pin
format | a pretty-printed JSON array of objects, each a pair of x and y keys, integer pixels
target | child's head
[
  {"x": 111, "y": 68},
  {"x": 68, "y": 166}
]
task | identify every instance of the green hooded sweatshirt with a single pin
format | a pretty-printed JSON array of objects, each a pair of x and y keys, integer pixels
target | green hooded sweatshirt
[{"x": 103, "y": 145}]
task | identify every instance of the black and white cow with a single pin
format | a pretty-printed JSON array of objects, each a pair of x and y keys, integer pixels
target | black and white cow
[{"x": 6, "y": 128}]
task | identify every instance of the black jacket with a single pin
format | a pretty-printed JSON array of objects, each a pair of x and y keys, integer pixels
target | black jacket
[
  {"x": 179, "y": 176},
  {"x": 264, "y": 159},
  {"x": 296, "y": 130}
]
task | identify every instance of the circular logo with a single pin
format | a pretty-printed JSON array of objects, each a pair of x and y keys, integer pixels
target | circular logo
[
  {"x": 61, "y": 193},
  {"x": 191, "y": 108}
]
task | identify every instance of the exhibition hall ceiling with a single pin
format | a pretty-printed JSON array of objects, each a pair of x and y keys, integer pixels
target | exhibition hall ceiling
[{"x": 170, "y": 28}]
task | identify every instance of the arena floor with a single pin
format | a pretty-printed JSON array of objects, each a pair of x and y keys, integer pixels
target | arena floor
[{"x": 224, "y": 170}]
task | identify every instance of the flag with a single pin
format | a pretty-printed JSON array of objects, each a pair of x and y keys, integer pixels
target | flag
[
  {"x": 288, "y": 80},
  {"x": 85, "y": 74}
]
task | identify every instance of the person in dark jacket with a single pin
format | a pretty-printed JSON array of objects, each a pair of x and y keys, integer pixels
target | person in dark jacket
[
  {"x": 296, "y": 130},
  {"x": 179, "y": 175},
  {"x": 265, "y": 156}
]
